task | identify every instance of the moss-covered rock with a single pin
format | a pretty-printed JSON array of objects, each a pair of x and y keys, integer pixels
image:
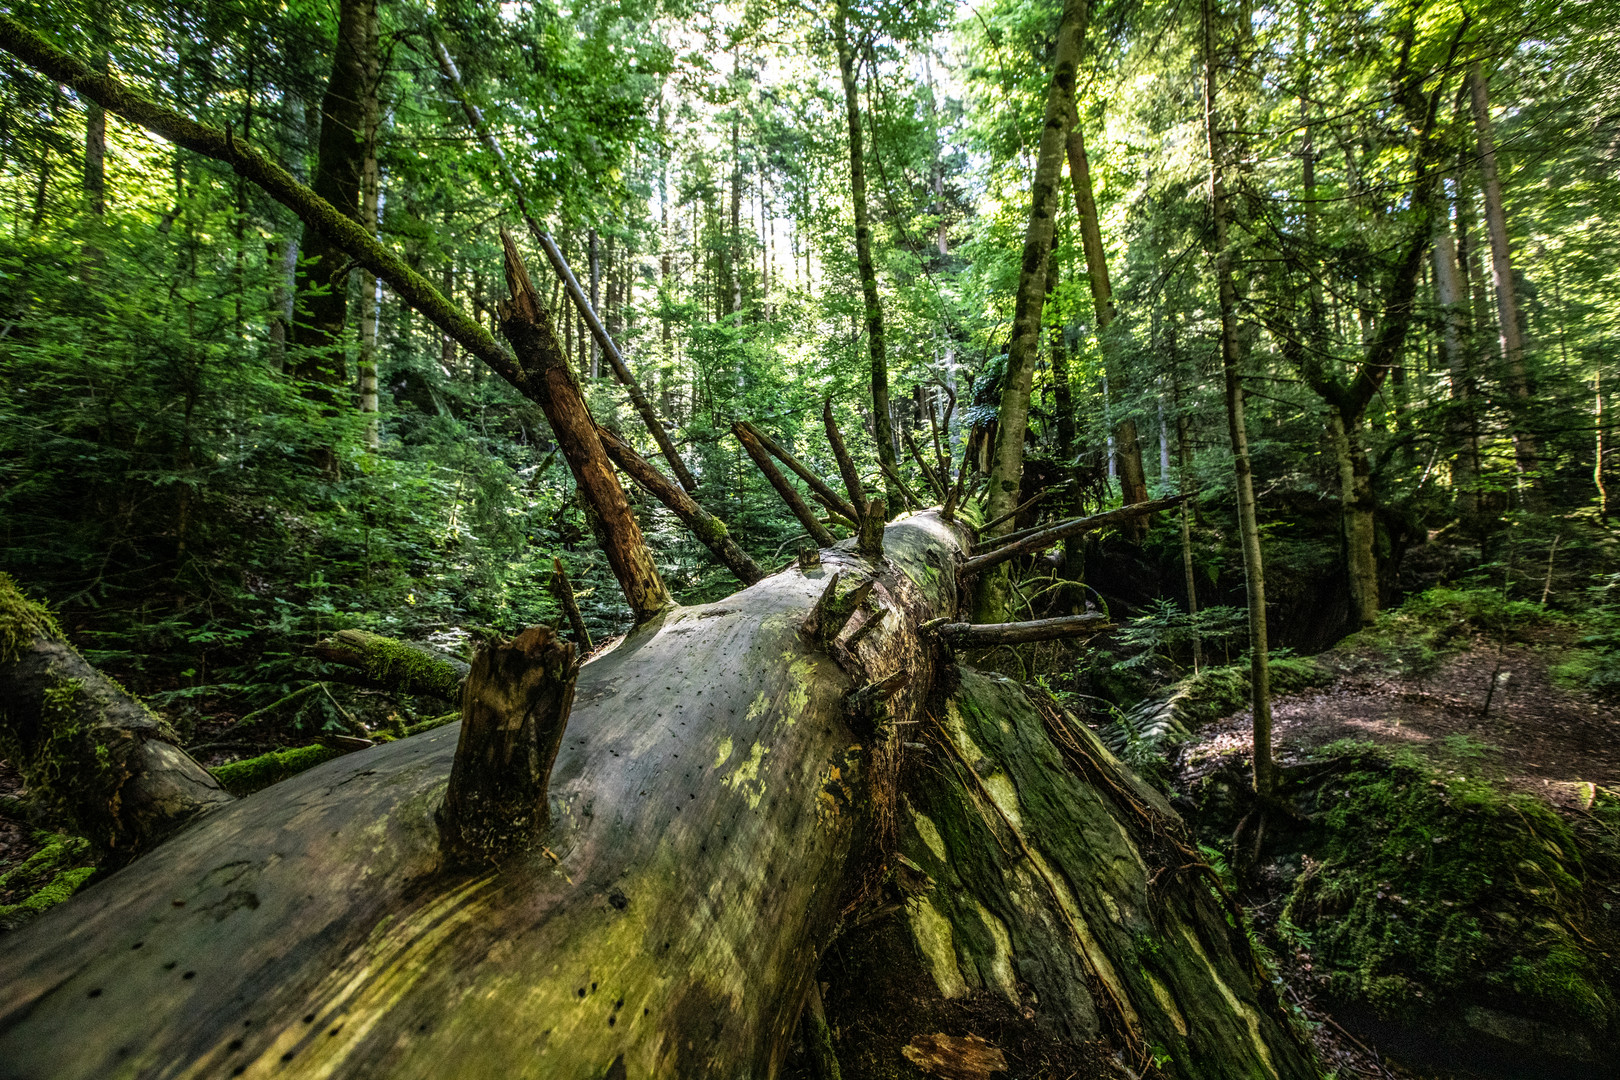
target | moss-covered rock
[{"x": 1426, "y": 895}]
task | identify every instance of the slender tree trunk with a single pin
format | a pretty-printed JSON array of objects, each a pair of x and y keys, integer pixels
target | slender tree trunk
[
  {"x": 1184, "y": 461},
  {"x": 1454, "y": 344},
  {"x": 1231, "y": 362},
  {"x": 1063, "y": 405},
  {"x": 1127, "y": 444},
  {"x": 594, "y": 256},
  {"x": 1525, "y": 450},
  {"x": 95, "y": 122},
  {"x": 1600, "y": 449},
  {"x": 1360, "y": 519},
  {"x": 883, "y": 421},
  {"x": 322, "y": 289},
  {"x": 370, "y": 194},
  {"x": 1012, "y": 419}
]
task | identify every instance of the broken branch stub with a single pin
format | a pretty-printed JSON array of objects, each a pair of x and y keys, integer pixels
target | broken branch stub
[
  {"x": 869, "y": 540},
  {"x": 563, "y": 590},
  {"x": 548, "y": 380},
  {"x": 833, "y": 612},
  {"x": 514, "y": 710}
]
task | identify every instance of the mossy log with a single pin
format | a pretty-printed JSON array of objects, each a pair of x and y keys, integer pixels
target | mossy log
[
  {"x": 394, "y": 665},
  {"x": 715, "y": 822},
  {"x": 1060, "y": 895},
  {"x": 89, "y": 752}
]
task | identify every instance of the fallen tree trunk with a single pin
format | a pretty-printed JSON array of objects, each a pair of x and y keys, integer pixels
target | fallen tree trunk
[
  {"x": 718, "y": 811},
  {"x": 88, "y": 752},
  {"x": 394, "y": 665}
]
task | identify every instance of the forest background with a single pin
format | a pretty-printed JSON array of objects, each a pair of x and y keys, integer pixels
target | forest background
[{"x": 220, "y": 441}]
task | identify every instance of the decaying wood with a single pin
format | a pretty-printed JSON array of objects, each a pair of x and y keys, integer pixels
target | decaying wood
[
  {"x": 910, "y": 497},
  {"x": 549, "y": 380},
  {"x": 513, "y": 715},
  {"x": 790, "y": 495},
  {"x": 833, "y": 610},
  {"x": 563, "y": 590},
  {"x": 869, "y": 537},
  {"x": 935, "y": 485},
  {"x": 967, "y": 1058},
  {"x": 394, "y": 665},
  {"x": 984, "y": 635},
  {"x": 1044, "y": 538},
  {"x": 818, "y": 1037},
  {"x": 710, "y": 811},
  {"x": 826, "y": 495},
  {"x": 710, "y": 531},
  {"x": 846, "y": 464},
  {"x": 93, "y": 757}
]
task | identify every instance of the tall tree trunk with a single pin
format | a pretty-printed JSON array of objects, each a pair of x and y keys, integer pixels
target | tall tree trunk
[
  {"x": 1525, "y": 450},
  {"x": 322, "y": 290},
  {"x": 882, "y": 426},
  {"x": 1360, "y": 516},
  {"x": 1231, "y": 363},
  {"x": 594, "y": 256},
  {"x": 370, "y": 195},
  {"x": 1454, "y": 344},
  {"x": 1012, "y": 419},
  {"x": 1127, "y": 445},
  {"x": 1063, "y": 405},
  {"x": 1184, "y": 463}
]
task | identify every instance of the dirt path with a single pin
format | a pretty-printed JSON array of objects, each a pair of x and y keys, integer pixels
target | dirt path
[{"x": 1530, "y": 733}]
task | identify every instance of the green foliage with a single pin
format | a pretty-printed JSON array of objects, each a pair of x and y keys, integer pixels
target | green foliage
[
  {"x": 1432, "y": 887},
  {"x": 47, "y": 877},
  {"x": 21, "y": 620}
]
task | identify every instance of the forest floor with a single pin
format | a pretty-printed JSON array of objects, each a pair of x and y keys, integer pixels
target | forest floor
[{"x": 1483, "y": 708}]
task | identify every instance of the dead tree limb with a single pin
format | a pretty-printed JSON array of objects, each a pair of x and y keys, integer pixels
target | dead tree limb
[
  {"x": 554, "y": 255},
  {"x": 563, "y": 590},
  {"x": 984, "y": 635},
  {"x": 1015, "y": 511},
  {"x": 710, "y": 530},
  {"x": 934, "y": 484},
  {"x": 550, "y": 381},
  {"x": 1045, "y": 538},
  {"x": 790, "y": 495},
  {"x": 846, "y": 464},
  {"x": 394, "y": 665},
  {"x": 912, "y": 502},
  {"x": 513, "y": 714},
  {"x": 828, "y": 497}
]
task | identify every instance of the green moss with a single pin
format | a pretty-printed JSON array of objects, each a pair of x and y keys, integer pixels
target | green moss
[
  {"x": 1413, "y": 638},
  {"x": 21, "y": 620},
  {"x": 1433, "y": 887},
  {"x": 250, "y": 775},
  {"x": 393, "y": 663},
  {"x": 55, "y": 872},
  {"x": 1222, "y": 691}
]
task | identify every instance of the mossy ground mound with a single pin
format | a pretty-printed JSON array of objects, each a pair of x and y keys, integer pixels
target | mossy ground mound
[{"x": 54, "y": 872}]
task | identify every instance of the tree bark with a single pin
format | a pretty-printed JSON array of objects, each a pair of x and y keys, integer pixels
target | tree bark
[
  {"x": 1041, "y": 538},
  {"x": 1454, "y": 344},
  {"x": 1231, "y": 361},
  {"x": 1012, "y": 419},
  {"x": 882, "y": 423},
  {"x": 975, "y": 636},
  {"x": 322, "y": 294},
  {"x": 1526, "y": 452},
  {"x": 717, "y": 812},
  {"x": 88, "y": 752},
  {"x": 790, "y": 495},
  {"x": 1359, "y": 510},
  {"x": 549, "y": 380},
  {"x": 370, "y": 197},
  {"x": 1127, "y": 446}
]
